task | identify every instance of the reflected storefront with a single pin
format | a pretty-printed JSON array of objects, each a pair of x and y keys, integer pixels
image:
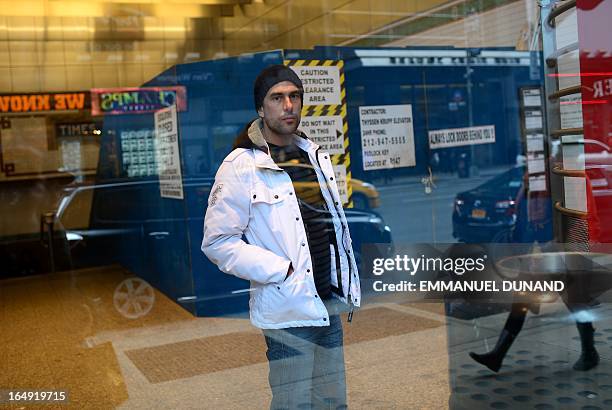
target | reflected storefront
[{"x": 470, "y": 148}]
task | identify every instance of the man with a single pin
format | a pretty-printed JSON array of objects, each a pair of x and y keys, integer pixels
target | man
[{"x": 297, "y": 254}]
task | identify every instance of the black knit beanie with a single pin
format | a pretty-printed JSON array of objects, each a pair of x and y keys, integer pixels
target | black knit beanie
[{"x": 270, "y": 76}]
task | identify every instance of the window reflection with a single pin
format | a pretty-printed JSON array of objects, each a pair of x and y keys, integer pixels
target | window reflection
[{"x": 507, "y": 153}]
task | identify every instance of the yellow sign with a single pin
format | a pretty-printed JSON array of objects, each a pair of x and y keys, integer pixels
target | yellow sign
[{"x": 324, "y": 113}]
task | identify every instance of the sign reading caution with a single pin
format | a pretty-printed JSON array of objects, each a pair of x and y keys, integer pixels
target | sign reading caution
[
  {"x": 321, "y": 84},
  {"x": 324, "y": 114}
]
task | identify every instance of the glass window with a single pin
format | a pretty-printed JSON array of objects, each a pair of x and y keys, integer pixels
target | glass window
[{"x": 459, "y": 153}]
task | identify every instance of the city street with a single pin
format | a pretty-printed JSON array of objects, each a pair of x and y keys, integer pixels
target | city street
[{"x": 417, "y": 217}]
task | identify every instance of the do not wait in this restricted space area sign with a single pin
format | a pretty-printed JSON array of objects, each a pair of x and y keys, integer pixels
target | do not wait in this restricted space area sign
[{"x": 325, "y": 131}]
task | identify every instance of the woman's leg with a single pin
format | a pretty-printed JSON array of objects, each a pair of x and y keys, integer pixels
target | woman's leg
[
  {"x": 493, "y": 359},
  {"x": 580, "y": 304}
]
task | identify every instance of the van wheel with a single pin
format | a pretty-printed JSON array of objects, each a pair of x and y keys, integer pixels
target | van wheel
[{"x": 134, "y": 298}]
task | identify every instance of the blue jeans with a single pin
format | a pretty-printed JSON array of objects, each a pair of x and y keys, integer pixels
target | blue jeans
[{"x": 307, "y": 367}]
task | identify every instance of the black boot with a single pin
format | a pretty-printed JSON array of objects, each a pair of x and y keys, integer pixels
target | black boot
[
  {"x": 493, "y": 359},
  {"x": 589, "y": 357}
]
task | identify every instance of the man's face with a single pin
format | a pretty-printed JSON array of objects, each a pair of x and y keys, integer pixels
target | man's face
[{"x": 281, "y": 108}]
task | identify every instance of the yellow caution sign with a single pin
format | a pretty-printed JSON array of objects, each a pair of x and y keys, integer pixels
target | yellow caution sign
[{"x": 324, "y": 115}]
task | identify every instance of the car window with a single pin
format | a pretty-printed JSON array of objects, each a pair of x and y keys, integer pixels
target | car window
[
  {"x": 512, "y": 179},
  {"x": 77, "y": 209},
  {"x": 131, "y": 203}
]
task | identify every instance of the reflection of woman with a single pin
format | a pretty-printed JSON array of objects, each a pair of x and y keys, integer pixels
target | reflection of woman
[
  {"x": 589, "y": 357},
  {"x": 578, "y": 298}
]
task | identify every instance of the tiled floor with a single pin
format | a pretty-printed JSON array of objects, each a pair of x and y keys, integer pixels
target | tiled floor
[
  {"x": 537, "y": 372},
  {"x": 65, "y": 332}
]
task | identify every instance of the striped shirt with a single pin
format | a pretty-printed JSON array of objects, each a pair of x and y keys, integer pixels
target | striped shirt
[{"x": 316, "y": 218}]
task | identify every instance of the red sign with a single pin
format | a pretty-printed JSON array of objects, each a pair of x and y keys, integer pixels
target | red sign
[
  {"x": 13, "y": 103},
  {"x": 594, "y": 33}
]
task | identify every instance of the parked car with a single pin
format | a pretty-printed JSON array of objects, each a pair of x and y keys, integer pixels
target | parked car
[
  {"x": 487, "y": 213},
  {"x": 158, "y": 239}
]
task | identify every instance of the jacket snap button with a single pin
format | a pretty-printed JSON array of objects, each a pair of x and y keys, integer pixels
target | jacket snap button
[
  {"x": 254, "y": 196},
  {"x": 297, "y": 219},
  {"x": 278, "y": 287},
  {"x": 290, "y": 193},
  {"x": 331, "y": 178},
  {"x": 316, "y": 296},
  {"x": 336, "y": 203},
  {"x": 275, "y": 196},
  {"x": 324, "y": 319},
  {"x": 308, "y": 270},
  {"x": 325, "y": 157},
  {"x": 303, "y": 244}
]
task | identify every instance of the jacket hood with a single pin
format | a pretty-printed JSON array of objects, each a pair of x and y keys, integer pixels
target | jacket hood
[{"x": 251, "y": 136}]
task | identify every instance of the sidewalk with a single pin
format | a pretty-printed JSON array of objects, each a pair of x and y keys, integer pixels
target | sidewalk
[
  {"x": 65, "y": 333},
  {"x": 439, "y": 178},
  {"x": 537, "y": 372}
]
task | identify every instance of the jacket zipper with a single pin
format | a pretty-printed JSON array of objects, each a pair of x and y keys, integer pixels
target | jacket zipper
[
  {"x": 350, "y": 317},
  {"x": 350, "y": 300}
]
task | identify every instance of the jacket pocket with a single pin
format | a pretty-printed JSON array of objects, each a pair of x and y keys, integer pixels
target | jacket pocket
[
  {"x": 288, "y": 301},
  {"x": 261, "y": 194},
  {"x": 275, "y": 301},
  {"x": 269, "y": 212}
]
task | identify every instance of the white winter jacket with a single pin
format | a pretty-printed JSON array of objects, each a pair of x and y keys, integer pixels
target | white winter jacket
[{"x": 253, "y": 196}]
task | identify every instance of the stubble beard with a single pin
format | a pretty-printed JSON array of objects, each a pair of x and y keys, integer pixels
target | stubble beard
[{"x": 281, "y": 129}]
